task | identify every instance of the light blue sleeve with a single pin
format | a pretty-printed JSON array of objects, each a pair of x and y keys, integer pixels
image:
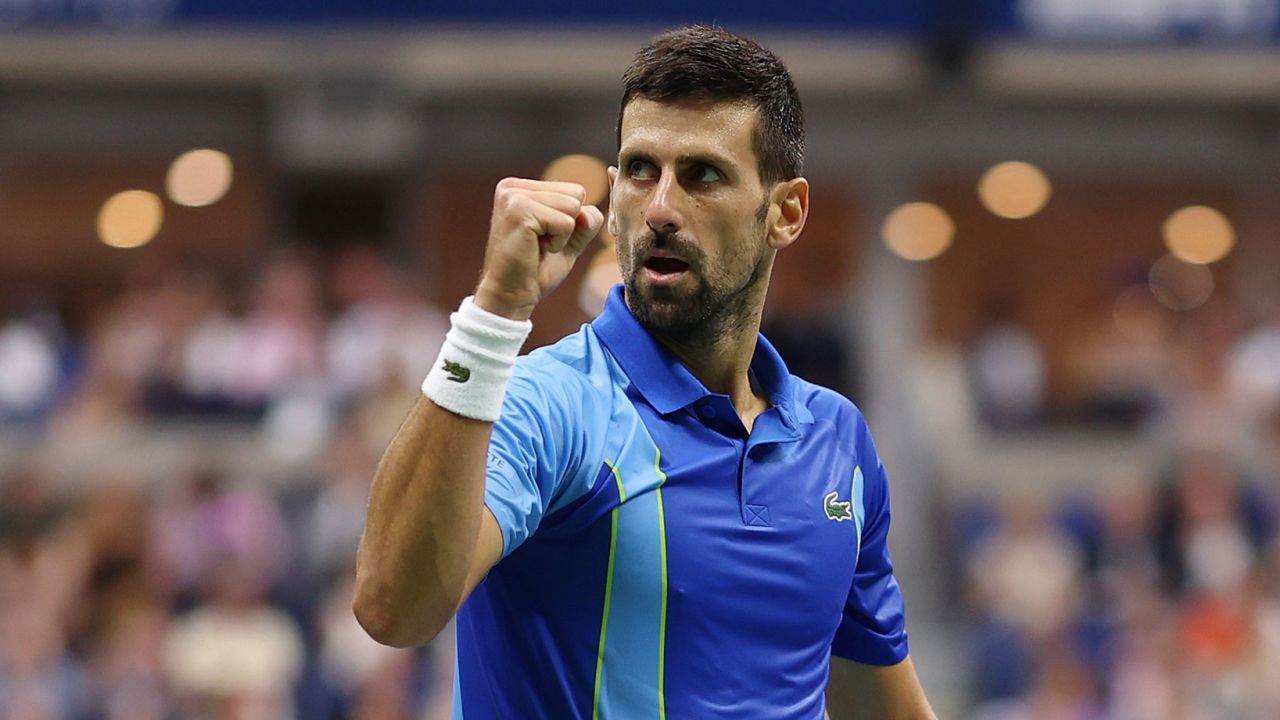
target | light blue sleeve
[{"x": 546, "y": 445}]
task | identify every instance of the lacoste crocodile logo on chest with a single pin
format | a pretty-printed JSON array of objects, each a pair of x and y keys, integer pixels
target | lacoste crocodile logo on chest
[{"x": 836, "y": 509}]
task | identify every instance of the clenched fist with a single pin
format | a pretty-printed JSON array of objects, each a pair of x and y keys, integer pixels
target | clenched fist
[{"x": 537, "y": 232}]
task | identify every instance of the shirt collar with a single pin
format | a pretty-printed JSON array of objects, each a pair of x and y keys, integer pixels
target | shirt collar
[{"x": 665, "y": 383}]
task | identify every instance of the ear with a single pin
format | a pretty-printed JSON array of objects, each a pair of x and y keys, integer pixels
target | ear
[
  {"x": 788, "y": 211},
  {"x": 613, "y": 224}
]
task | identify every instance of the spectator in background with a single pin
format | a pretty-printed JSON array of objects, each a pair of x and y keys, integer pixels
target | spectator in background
[
  {"x": 280, "y": 343},
  {"x": 234, "y": 656},
  {"x": 210, "y": 353},
  {"x": 1253, "y": 372},
  {"x": 1212, "y": 531},
  {"x": 1023, "y": 579},
  {"x": 204, "y": 522},
  {"x": 1027, "y": 573},
  {"x": 43, "y": 569},
  {"x": 126, "y": 665},
  {"x": 44, "y": 553},
  {"x": 1210, "y": 525},
  {"x": 134, "y": 339},
  {"x": 135, "y": 352},
  {"x": 1007, "y": 368},
  {"x": 383, "y": 333},
  {"x": 30, "y": 363},
  {"x": 1063, "y": 690},
  {"x": 1144, "y": 679},
  {"x": 39, "y": 679},
  {"x": 1120, "y": 360},
  {"x": 376, "y": 682},
  {"x": 1199, "y": 411},
  {"x": 1263, "y": 598}
]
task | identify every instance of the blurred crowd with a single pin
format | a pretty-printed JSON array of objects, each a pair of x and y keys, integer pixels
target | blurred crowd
[
  {"x": 1154, "y": 592},
  {"x": 220, "y": 589},
  {"x": 213, "y": 592},
  {"x": 182, "y": 341}
]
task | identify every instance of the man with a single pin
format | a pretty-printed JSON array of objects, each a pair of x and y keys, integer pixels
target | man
[{"x": 662, "y": 521}]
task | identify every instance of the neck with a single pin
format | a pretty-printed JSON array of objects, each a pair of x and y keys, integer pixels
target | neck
[
  {"x": 721, "y": 361},
  {"x": 720, "y": 354}
]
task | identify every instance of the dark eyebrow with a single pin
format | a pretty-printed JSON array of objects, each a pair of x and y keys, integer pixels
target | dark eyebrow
[
  {"x": 627, "y": 156},
  {"x": 706, "y": 159}
]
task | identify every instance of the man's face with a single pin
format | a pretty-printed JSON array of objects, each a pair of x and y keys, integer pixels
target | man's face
[{"x": 689, "y": 210}]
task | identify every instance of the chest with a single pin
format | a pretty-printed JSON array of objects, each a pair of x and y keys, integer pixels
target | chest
[
  {"x": 725, "y": 529},
  {"x": 749, "y": 521}
]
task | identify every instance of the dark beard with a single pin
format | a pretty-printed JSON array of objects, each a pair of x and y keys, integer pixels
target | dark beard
[
  {"x": 707, "y": 315},
  {"x": 710, "y": 313}
]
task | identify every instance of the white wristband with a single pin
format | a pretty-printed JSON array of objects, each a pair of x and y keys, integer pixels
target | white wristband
[{"x": 479, "y": 352}]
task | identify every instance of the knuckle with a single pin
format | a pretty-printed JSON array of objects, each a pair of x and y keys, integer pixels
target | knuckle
[
  {"x": 564, "y": 225},
  {"x": 512, "y": 201},
  {"x": 505, "y": 189},
  {"x": 519, "y": 202}
]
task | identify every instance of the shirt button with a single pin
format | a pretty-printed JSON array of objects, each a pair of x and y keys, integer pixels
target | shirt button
[{"x": 707, "y": 412}]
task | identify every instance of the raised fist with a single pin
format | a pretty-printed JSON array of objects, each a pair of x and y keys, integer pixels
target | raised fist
[{"x": 537, "y": 232}]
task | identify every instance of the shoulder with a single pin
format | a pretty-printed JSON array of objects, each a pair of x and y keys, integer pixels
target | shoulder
[
  {"x": 575, "y": 376},
  {"x": 578, "y": 360},
  {"x": 828, "y": 406}
]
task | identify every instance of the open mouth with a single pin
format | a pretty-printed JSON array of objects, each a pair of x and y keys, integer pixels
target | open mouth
[{"x": 665, "y": 266}]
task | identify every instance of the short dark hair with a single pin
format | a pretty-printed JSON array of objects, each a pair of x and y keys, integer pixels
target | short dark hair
[{"x": 705, "y": 63}]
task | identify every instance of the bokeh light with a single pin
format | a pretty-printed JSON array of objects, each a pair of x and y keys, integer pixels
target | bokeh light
[
  {"x": 1180, "y": 285},
  {"x": 129, "y": 219},
  {"x": 589, "y": 172},
  {"x": 1014, "y": 190},
  {"x": 918, "y": 231},
  {"x": 199, "y": 177},
  {"x": 1199, "y": 234}
]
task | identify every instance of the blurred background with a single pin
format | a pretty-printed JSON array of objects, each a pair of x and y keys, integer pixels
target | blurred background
[{"x": 1043, "y": 257}]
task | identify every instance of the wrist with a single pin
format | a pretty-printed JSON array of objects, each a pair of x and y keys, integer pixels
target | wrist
[
  {"x": 479, "y": 353},
  {"x": 504, "y": 304}
]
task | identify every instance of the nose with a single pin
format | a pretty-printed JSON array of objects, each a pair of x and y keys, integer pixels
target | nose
[{"x": 663, "y": 214}]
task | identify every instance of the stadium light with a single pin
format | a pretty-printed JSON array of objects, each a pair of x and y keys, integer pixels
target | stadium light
[
  {"x": 918, "y": 231},
  {"x": 199, "y": 177},
  {"x": 130, "y": 219},
  {"x": 1014, "y": 190},
  {"x": 1199, "y": 234}
]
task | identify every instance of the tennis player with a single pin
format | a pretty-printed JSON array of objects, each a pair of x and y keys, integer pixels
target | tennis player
[{"x": 651, "y": 518}]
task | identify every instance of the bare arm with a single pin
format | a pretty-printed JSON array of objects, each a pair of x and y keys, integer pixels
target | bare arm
[
  {"x": 428, "y": 539},
  {"x": 424, "y": 527},
  {"x": 868, "y": 692}
]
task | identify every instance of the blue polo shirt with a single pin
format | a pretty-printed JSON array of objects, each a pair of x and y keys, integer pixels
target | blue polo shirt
[{"x": 659, "y": 561}]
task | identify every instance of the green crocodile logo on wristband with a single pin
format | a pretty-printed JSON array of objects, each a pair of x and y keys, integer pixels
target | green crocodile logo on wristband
[{"x": 457, "y": 373}]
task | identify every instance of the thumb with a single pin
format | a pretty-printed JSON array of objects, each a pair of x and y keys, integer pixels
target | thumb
[{"x": 589, "y": 222}]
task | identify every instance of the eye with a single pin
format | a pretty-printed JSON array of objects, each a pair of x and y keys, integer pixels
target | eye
[
  {"x": 705, "y": 174},
  {"x": 641, "y": 169}
]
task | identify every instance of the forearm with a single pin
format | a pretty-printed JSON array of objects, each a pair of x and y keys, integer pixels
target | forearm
[
  {"x": 421, "y": 526},
  {"x": 867, "y": 692},
  {"x": 427, "y": 538}
]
